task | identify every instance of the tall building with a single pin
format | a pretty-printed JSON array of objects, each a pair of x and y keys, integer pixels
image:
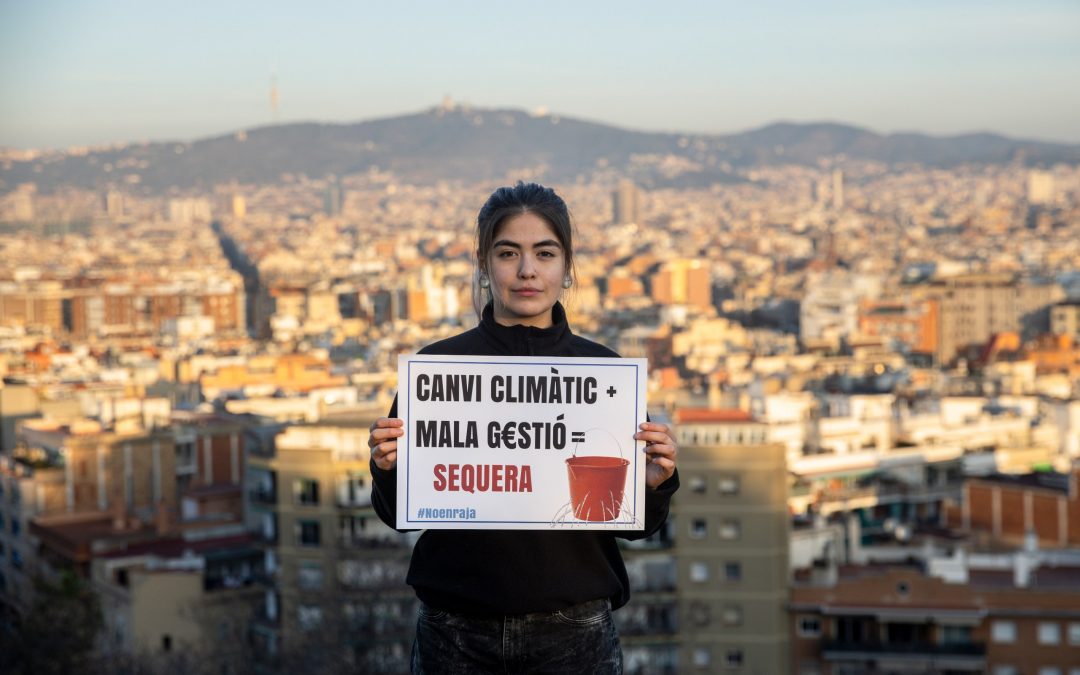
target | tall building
[
  {"x": 239, "y": 206},
  {"x": 837, "y": 189},
  {"x": 683, "y": 282},
  {"x": 625, "y": 203},
  {"x": 188, "y": 210},
  {"x": 975, "y": 307},
  {"x": 830, "y": 306},
  {"x": 333, "y": 199},
  {"x": 1040, "y": 188},
  {"x": 337, "y": 573},
  {"x": 95, "y": 466},
  {"x": 74, "y": 471},
  {"x": 731, "y": 541},
  {"x": 114, "y": 204},
  {"x": 39, "y": 304}
]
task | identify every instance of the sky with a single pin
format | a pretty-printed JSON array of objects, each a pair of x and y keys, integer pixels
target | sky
[{"x": 76, "y": 72}]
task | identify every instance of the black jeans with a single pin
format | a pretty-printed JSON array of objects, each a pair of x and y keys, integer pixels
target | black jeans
[{"x": 579, "y": 639}]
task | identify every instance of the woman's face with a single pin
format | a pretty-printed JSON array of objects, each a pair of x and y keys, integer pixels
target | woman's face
[{"x": 526, "y": 267}]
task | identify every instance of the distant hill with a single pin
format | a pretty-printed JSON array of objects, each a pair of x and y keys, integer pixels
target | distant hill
[{"x": 461, "y": 143}]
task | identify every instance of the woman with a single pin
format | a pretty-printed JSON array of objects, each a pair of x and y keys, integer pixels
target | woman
[{"x": 521, "y": 601}]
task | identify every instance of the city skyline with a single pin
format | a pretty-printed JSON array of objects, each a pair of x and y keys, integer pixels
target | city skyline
[{"x": 121, "y": 72}]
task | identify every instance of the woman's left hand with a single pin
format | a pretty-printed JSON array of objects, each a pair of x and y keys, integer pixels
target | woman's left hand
[{"x": 660, "y": 448}]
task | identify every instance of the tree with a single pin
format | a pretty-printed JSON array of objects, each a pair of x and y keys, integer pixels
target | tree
[{"x": 59, "y": 632}]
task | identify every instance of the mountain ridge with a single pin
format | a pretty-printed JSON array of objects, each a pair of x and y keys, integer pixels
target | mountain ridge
[{"x": 475, "y": 144}]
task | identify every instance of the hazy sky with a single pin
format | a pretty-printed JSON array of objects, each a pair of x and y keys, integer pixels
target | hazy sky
[{"x": 82, "y": 72}]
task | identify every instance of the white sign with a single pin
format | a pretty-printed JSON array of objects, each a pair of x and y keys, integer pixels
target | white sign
[{"x": 523, "y": 443}]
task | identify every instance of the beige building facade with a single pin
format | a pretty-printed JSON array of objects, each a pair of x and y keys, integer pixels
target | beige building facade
[
  {"x": 731, "y": 542},
  {"x": 975, "y": 307},
  {"x": 336, "y": 572}
]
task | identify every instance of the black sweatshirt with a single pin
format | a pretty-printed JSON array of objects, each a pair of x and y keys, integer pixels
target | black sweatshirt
[{"x": 496, "y": 572}]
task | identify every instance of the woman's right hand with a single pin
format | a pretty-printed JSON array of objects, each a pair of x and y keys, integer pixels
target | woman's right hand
[{"x": 383, "y": 441}]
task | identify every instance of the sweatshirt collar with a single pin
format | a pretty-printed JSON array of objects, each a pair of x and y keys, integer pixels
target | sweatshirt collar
[{"x": 528, "y": 340}]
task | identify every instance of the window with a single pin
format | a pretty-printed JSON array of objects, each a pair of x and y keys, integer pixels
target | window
[
  {"x": 1003, "y": 631},
  {"x": 352, "y": 490},
  {"x": 1074, "y": 633},
  {"x": 956, "y": 635},
  {"x": 699, "y": 572},
  {"x": 730, "y": 530},
  {"x": 309, "y": 575},
  {"x": 166, "y": 643},
  {"x": 732, "y": 615},
  {"x": 1049, "y": 670},
  {"x": 700, "y": 614},
  {"x": 698, "y": 528},
  {"x": 729, "y": 485},
  {"x": 307, "y": 533},
  {"x": 733, "y": 658},
  {"x": 809, "y": 627},
  {"x": 309, "y": 617},
  {"x": 16, "y": 527},
  {"x": 732, "y": 571},
  {"x": 1049, "y": 633},
  {"x": 1006, "y": 670},
  {"x": 16, "y": 559},
  {"x": 697, "y": 485},
  {"x": 702, "y": 657},
  {"x": 306, "y": 491}
]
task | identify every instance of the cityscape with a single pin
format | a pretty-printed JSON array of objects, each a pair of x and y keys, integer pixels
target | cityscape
[
  {"x": 844, "y": 238},
  {"x": 873, "y": 373}
]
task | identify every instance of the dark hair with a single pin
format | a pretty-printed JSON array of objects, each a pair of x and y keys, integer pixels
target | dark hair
[{"x": 507, "y": 202}]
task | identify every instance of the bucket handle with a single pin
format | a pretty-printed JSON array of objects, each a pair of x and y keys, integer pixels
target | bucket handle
[{"x": 617, "y": 443}]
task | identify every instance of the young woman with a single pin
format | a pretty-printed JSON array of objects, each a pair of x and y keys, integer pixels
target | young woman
[{"x": 521, "y": 601}]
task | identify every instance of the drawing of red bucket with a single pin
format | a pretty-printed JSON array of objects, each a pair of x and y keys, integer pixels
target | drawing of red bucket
[{"x": 596, "y": 485}]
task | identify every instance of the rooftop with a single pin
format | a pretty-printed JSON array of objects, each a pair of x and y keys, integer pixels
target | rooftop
[
  {"x": 712, "y": 415},
  {"x": 1042, "y": 480}
]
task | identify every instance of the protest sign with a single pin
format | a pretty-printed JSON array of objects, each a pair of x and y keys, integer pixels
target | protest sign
[{"x": 527, "y": 443}]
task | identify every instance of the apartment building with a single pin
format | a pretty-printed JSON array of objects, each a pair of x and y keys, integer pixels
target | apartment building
[
  {"x": 731, "y": 540},
  {"x": 336, "y": 574},
  {"x": 975, "y": 307},
  {"x": 1010, "y": 507},
  {"x": 1005, "y": 617}
]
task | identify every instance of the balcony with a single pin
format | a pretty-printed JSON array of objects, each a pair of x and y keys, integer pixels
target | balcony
[
  {"x": 927, "y": 652},
  {"x": 842, "y": 499},
  {"x": 228, "y": 582},
  {"x": 263, "y": 537},
  {"x": 357, "y": 543},
  {"x": 359, "y": 502},
  {"x": 265, "y": 620},
  {"x": 263, "y": 496}
]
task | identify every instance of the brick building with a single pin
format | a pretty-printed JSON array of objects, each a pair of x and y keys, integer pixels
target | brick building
[
  {"x": 1006, "y": 507},
  {"x": 1021, "y": 618}
]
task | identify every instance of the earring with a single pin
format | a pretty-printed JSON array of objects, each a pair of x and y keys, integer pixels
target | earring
[
  {"x": 484, "y": 281},
  {"x": 567, "y": 281}
]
